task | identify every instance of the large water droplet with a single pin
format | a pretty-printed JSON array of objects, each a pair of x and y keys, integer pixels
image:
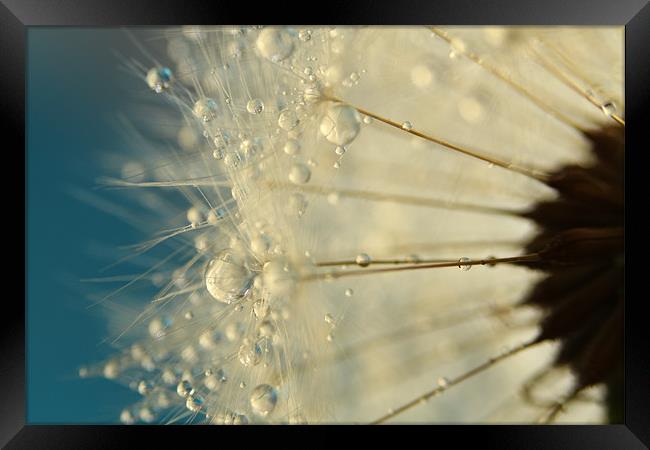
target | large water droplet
[
  {"x": 227, "y": 278},
  {"x": 288, "y": 120},
  {"x": 341, "y": 124},
  {"x": 274, "y": 44},
  {"x": 250, "y": 353},
  {"x": 292, "y": 147},
  {"x": 299, "y": 173},
  {"x": 263, "y": 399}
]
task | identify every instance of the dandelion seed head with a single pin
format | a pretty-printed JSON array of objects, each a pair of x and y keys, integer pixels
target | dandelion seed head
[{"x": 260, "y": 135}]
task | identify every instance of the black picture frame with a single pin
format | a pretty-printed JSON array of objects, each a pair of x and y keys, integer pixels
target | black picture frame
[{"x": 16, "y": 16}]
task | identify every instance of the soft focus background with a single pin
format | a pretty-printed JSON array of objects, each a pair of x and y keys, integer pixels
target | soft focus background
[{"x": 75, "y": 93}]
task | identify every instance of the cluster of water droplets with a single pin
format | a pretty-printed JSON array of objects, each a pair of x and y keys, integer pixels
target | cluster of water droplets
[{"x": 217, "y": 346}]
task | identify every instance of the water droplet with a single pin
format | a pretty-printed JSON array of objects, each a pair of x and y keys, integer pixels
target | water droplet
[
  {"x": 349, "y": 292},
  {"x": 255, "y": 106},
  {"x": 288, "y": 120},
  {"x": 126, "y": 417},
  {"x": 340, "y": 150},
  {"x": 337, "y": 164},
  {"x": 194, "y": 402},
  {"x": 184, "y": 388},
  {"x": 491, "y": 261},
  {"x": 408, "y": 126},
  {"x": 215, "y": 215},
  {"x": 274, "y": 44},
  {"x": 146, "y": 415},
  {"x": 354, "y": 76},
  {"x": 462, "y": 264},
  {"x": 292, "y": 147},
  {"x": 144, "y": 387},
  {"x": 421, "y": 76},
  {"x": 189, "y": 315},
  {"x": 194, "y": 216},
  {"x": 299, "y": 173},
  {"x": 242, "y": 385},
  {"x": 189, "y": 354},
  {"x": 329, "y": 337},
  {"x": 168, "y": 376},
  {"x": 111, "y": 370},
  {"x": 608, "y": 108},
  {"x": 159, "y": 79},
  {"x": 227, "y": 278},
  {"x": 304, "y": 35},
  {"x": 232, "y": 160},
  {"x": 443, "y": 382},
  {"x": 367, "y": 120},
  {"x": 250, "y": 353},
  {"x": 333, "y": 198},
  {"x": 263, "y": 399},
  {"x": 363, "y": 260},
  {"x": 83, "y": 372},
  {"x": 341, "y": 124},
  {"x": 471, "y": 110},
  {"x": 206, "y": 109},
  {"x": 162, "y": 400}
]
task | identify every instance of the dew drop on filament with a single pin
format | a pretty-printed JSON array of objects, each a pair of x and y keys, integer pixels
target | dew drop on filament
[
  {"x": 463, "y": 264},
  {"x": 263, "y": 399},
  {"x": 255, "y": 106},
  {"x": 363, "y": 260},
  {"x": 227, "y": 278}
]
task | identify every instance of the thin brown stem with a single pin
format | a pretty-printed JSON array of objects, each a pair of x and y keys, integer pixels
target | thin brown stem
[
  {"x": 567, "y": 81},
  {"x": 497, "y": 73},
  {"x": 533, "y": 257},
  {"x": 455, "y": 381},
  {"x": 531, "y": 173}
]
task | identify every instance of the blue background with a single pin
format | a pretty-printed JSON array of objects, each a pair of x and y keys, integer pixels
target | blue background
[{"x": 75, "y": 90}]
